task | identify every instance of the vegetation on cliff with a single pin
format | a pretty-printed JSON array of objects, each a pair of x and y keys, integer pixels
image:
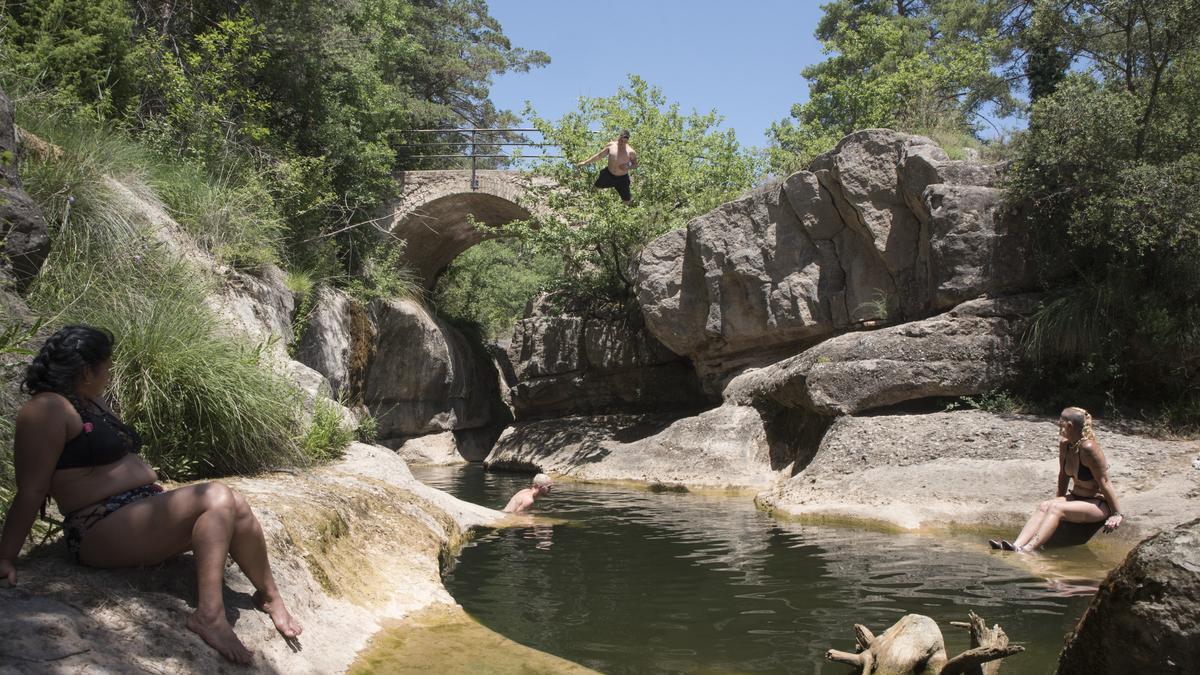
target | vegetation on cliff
[{"x": 295, "y": 114}]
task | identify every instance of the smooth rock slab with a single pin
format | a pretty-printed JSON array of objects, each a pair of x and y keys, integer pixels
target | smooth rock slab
[
  {"x": 438, "y": 449},
  {"x": 423, "y": 376},
  {"x": 724, "y": 447},
  {"x": 976, "y": 468},
  {"x": 970, "y": 350}
]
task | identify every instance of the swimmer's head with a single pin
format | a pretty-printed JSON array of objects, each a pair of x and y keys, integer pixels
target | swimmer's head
[
  {"x": 542, "y": 482},
  {"x": 624, "y": 135},
  {"x": 1080, "y": 421}
]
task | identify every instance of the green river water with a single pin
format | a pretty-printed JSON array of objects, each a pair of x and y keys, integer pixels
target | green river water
[{"x": 633, "y": 581}]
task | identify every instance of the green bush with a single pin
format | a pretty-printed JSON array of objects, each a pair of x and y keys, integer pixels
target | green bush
[
  {"x": 368, "y": 428},
  {"x": 328, "y": 435},
  {"x": 233, "y": 217},
  {"x": 1110, "y": 193},
  {"x": 382, "y": 274}
]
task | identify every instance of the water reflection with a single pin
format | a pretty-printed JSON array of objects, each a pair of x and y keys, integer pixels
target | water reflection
[{"x": 632, "y": 581}]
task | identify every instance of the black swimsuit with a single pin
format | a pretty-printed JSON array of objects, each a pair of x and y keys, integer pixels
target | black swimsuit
[
  {"x": 1083, "y": 473},
  {"x": 104, "y": 439}
]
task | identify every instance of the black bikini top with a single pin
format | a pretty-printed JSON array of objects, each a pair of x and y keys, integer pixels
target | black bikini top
[
  {"x": 1082, "y": 472},
  {"x": 104, "y": 439}
]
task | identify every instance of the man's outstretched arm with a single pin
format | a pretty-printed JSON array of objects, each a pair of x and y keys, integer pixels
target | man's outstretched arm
[{"x": 603, "y": 153}]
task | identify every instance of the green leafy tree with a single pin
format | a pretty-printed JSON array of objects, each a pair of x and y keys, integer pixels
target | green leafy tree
[
  {"x": 490, "y": 283},
  {"x": 1107, "y": 175},
  {"x": 687, "y": 166},
  {"x": 76, "y": 49},
  {"x": 909, "y": 65}
]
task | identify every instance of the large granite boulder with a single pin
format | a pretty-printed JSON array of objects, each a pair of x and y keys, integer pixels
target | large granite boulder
[
  {"x": 945, "y": 469},
  {"x": 424, "y": 376},
  {"x": 24, "y": 238},
  {"x": 567, "y": 365},
  {"x": 1146, "y": 616},
  {"x": 969, "y": 350},
  {"x": 884, "y": 228},
  {"x": 728, "y": 446}
]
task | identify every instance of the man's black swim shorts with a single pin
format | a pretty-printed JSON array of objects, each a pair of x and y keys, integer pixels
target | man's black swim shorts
[{"x": 621, "y": 183}]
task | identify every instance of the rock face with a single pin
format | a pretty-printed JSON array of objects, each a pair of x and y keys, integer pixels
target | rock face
[
  {"x": 883, "y": 228},
  {"x": 1146, "y": 616},
  {"x": 969, "y": 350},
  {"x": 337, "y": 342},
  {"x": 424, "y": 377},
  {"x": 938, "y": 469},
  {"x": 24, "y": 239},
  {"x": 729, "y": 446},
  {"x": 415, "y": 373},
  {"x": 570, "y": 365}
]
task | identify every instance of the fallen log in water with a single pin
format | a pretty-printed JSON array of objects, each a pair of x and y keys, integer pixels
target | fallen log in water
[{"x": 914, "y": 646}]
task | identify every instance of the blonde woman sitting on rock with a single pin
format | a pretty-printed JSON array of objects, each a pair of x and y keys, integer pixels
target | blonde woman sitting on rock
[
  {"x": 1091, "y": 498},
  {"x": 70, "y": 446}
]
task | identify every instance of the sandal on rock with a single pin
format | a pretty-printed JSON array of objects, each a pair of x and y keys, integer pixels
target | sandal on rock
[
  {"x": 1008, "y": 545},
  {"x": 994, "y": 544}
]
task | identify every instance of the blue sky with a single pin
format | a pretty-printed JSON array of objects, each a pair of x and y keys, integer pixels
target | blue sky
[{"x": 742, "y": 59}]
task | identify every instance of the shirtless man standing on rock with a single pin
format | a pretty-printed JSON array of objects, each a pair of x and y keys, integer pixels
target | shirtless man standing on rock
[
  {"x": 622, "y": 159},
  {"x": 524, "y": 498}
]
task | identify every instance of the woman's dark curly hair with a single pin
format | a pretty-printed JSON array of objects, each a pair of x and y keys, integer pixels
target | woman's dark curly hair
[{"x": 62, "y": 360}]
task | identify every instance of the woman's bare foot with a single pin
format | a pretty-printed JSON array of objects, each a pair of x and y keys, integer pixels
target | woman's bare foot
[
  {"x": 220, "y": 636},
  {"x": 287, "y": 626}
]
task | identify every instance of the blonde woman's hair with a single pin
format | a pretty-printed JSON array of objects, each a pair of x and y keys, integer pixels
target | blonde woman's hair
[
  {"x": 1082, "y": 421},
  {"x": 542, "y": 480}
]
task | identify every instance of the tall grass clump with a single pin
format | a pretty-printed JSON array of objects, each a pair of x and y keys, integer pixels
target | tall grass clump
[
  {"x": 203, "y": 402},
  {"x": 328, "y": 435},
  {"x": 233, "y": 217}
]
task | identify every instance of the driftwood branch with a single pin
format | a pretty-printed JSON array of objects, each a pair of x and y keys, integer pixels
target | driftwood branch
[
  {"x": 864, "y": 636},
  {"x": 972, "y": 660},
  {"x": 914, "y": 645}
]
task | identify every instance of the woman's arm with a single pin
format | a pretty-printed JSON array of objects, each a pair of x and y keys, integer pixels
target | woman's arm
[
  {"x": 40, "y": 435},
  {"x": 1063, "y": 478},
  {"x": 1099, "y": 466}
]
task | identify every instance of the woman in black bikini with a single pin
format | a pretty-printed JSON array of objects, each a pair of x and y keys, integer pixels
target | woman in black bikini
[
  {"x": 70, "y": 446},
  {"x": 1091, "y": 499}
]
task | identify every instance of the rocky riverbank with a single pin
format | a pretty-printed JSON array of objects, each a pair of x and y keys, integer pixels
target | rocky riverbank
[{"x": 353, "y": 545}]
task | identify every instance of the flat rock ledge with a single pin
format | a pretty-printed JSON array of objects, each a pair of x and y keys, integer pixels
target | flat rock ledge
[
  {"x": 974, "y": 469},
  {"x": 353, "y": 544},
  {"x": 726, "y": 447}
]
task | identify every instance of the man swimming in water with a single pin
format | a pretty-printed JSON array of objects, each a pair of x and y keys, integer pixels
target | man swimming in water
[
  {"x": 524, "y": 499},
  {"x": 622, "y": 159}
]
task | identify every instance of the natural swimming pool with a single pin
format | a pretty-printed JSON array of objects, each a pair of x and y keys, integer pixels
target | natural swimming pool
[{"x": 632, "y": 581}]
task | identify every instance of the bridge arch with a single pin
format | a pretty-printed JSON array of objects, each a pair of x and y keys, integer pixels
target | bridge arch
[{"x": 434, "y": 209}]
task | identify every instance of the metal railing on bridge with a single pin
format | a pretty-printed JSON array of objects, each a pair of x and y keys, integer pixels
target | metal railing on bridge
[{"x": 473, "y": 141}]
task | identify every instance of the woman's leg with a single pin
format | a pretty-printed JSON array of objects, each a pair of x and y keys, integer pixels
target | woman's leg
[
  {"x": 1035, "y": 521},
  {"x": 249, "y": 551},
  {"x": 1057, "y": 510},
  {"x": 209, "y": 519}
]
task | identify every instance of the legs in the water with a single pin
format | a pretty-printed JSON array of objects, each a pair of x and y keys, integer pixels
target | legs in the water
[
  {"x": 212, "y": 521},
  {"x": 1049, "y": 514}
]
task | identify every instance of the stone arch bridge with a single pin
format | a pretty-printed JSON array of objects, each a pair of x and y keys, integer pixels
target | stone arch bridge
[{"x": 434, "y": 212}]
